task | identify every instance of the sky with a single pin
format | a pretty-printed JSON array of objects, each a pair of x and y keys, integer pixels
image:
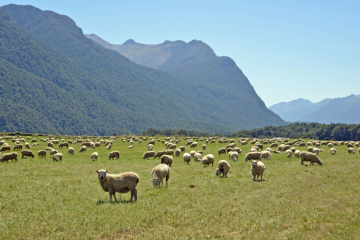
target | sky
[{"x": 287, "y": 49}]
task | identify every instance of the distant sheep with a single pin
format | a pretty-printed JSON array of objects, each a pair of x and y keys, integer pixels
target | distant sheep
[
  {"x": 167, "y": 159},
  {"x": 193, "y": 145},
  {"x": 159, "y": 154},
  {"x": 82, "y": 149},
  {"x": 94, "y": 156},
  {"x": 158, "y": 174},
  {"x": 257, "y": 169},
  {"x": 57, "y": 157},
  {"x": 253, "y": 155},
  {"x": 42, "y": 153},
  {"x": 203, "y": 147},
  {"x": 9, "y": 156},
  {"x": 187, "y": 157},
  {"x": 207, "y": 159},
  {"x": 18, "y": 147},
  {"x": 177, "y": 152},
  {"x": 121, "y": 183},
  {"x": 223, "y": 167},
  {"x": 266, "y": 154},
  {"x": 197, "y": 157},
  {"x": 233, "y": 156},
  {"x": 297, "y": 153},
  {"x": 288, "y": 153},
  {"x": 27, "y": 153},
  {"x": 71, "y": 150},
  {"x": 149, "y": 154},
  {"x": 5, "y": 148},
  {"x": 309, "y": 157},
  {"x": 114, "y": 154},
  {"x": 63, "y": 144},
  {"x": 317, "y": 150},
  {"x": 351, "y": 150},
  {"x": 150, "y": 147},
  {"x": 221, "y": 151},
  {"x": 333, "y": 151}
]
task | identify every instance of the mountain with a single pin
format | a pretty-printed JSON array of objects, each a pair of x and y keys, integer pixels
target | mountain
[
  {"x": 56, "y": 80},
  {"x": 219, "y": 87},
  {"x": 338, "y": 110}
]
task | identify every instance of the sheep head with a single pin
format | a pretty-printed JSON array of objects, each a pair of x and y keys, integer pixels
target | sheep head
[{"x": 101, "y": 174}]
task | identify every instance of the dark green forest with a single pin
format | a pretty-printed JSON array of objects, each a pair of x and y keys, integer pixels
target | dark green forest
[{"x": 338, "y": 132}]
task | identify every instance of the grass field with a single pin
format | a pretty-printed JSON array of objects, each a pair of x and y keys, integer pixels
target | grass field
[{"x": 42, "y": 199}]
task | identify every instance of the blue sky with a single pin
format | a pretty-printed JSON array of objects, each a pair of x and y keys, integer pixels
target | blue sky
[{"x": 287, "y": 49}]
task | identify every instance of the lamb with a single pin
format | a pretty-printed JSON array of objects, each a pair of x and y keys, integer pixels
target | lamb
[
  {"x": 288, "y": 153},
  {"x": 167, "y": 159},
  {"x": 114, "y": 154},
  {"x": 333, "y": 151},
  {"x": 266, "y": 154},
  {"x": 149, "y": 154},
  {"x": 57, "y": 157},
  {"x": 221, "y": 151},
  {"x": 253, "y": 155},
  {"x": 187, "y": 157},
  {"x": 159, "y": 173},
  {"x": 223, "y": 167},
  {"x": 197, "y": 157},
  {"x": 233, "y": 156},
  {"x": 27, "y": 153},
  {"x": 121, "y": 183},
  {"x": 9, "y": 156},
  {"x": 159, "y": 154},
  {"x": 82, "y": 149},
  {"x": 207, "y": 159},
  {"x": 297, "y": 153},
  {"x": 309, "y": 157},
  {"x": 257, "y": 169},
  {"x": 18, "y": 147},
  {"x": 42, "y": 153},
  {"x": 71, "y": 150},
  {"x": 94, "y": 156}
]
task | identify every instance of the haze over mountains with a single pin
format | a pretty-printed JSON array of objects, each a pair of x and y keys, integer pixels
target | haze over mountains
[
  {"x": 59, "y": 81},
  {"x": 338, "y": 110}
]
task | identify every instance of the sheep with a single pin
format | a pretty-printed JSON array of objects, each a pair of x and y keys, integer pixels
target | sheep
[
  {"x": 53, "y": 151},
  {"x": 193, "y": 145},
  {"x": 276, "y": 152},
  {"x": 333, "y": 151},
  {"x": 114, "y": 154},
  {"x": 203, "y": 147},
  {"x": 149, "y": 154},
  {"x": 351, "y": 150},
  {"x": 27, "y": 153},
  {"x": 121, "y": 183},
  {"x": 170, "y": 152},
  {"x": 207, "y": 159},
  {"x": 297, "y": 153},
  {"x": 158, "y": 174},
  {"x": 309, "y": 157},
  {"x": 71, "y": 150},
  {"x": 253, "y": 155},
  {"x": 9, "y": 156},
  {"x": 187, "y": 157},
  {"x": 64, "y": 144},
  {"x": 233, "y": 156},
  {"x": 94, "y": 156},
  {"x": 177, "y": 152},
  {"x": 5, "y": 148},
  {"x": 288, "y": 153},
  {"x": 42, "y": 153},
  {"x": 150, "y": 147},
  {"x": 266, "y": 154},
  {"x": 57, "y": 157},
  {"x": 257, "y": 169},
  {"x": 269, "y": 150},
  {"x": 317, "y": 150},
  {"x": 131, "y": 146},
  {"x": 82, "y": 149},
  {"x": 238, "y": 150},
  {"x": 274, "y": 145},
  {"x": 221, "y": 151},
  {"x": 192, "y": 153},
  {"x": 182, "y": 148},
  {"x": 50, "y": 144},
  {"x": 27, "y": 145},
  {"x": 18, "y": 147},
  {"x": 167, "y": 159},
  {"x": 223, "y": 167},
  {"x": 108, "y": 146},
  {"x": 159, "y": 154},
  {"x": 197, "y": 157}
]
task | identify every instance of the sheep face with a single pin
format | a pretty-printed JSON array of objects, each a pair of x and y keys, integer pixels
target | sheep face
[
  {"x": 101, "y": 174},
  {"x": 253, "y": 163},
  {"x": 156, "y": 182}
]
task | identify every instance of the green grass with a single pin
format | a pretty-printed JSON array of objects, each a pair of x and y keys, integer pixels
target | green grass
[{"x": 40, "y": 198}]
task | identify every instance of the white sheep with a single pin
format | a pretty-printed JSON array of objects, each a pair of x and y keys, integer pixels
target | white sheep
[
  {"x": 167, "y": 159},
  {"x": 82, "y": 148},
  {"x": 252, "y": 155},
  {"x": 94, "y": 156},
  {"x": 297, "y": 153},
  {"x": 223, "y": 167},
  {"x": 158, "y": 173},
  {"x": 309, "y": 157},
  {"x": 257, "y": 169},
  {"x": 114, "y": 154},
  {"x": 207, "y": 159},
  {"x": 266, "y": 154},
  {"x": 121, "y": 183},
  {"x": 71, "y": 150},
  {"x": 233, "y": 156},
  {"x": 288, "y": 153},
  {"x": 187, "y": 157},
  {"x": 333, "y": 151},
  {"x": 149, "y": 154},
  {"x": 197, "y": 157},
  {"x": 57, "y": 157}
]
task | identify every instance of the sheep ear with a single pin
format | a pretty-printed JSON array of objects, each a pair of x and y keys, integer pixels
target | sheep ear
[
  {"x": 106, "y": 170},
  {"x": 97, "y": 171}
]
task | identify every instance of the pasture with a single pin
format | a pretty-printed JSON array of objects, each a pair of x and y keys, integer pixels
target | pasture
[{"x": 42, "y": 199}]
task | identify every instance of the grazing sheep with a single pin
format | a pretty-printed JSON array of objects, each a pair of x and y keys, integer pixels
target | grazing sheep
[
  {"x": 50, "y": 144},
  {"x": 42, "y": 153},
  {"x": 108, "y": 146},
  {"x": 159, "y": 154},
  {"x": 27, "y": 153},
  {"x": 351, "y": 150},
  {"x": 221, "y": 151},
  {"x": 53, "y": 151},
  {"x": 158, "y": 173},
  {"x": 121, "y": 183},
  {"x": 297, "y": 153},
  {"x": 266, "y": 154},
  {"x": 9, "y": 156},
  {"x": 317, "y": 150},
  {"x": 18, "y": 147},
  {"x": 288, "y": 153},
  {"x": 177, "y": 152},
  {"x": 274, "y": 145},
  {"x": 170, "y": 152},
  {"x": 150, "y": 147},
  {"x": 94, "y": 156},
  {"x": 82, "y": 149},
  {"x": 233, "y": 156},
  {"x": 253, "y": 155},
  {"x": 286, "y": 147},
  {"x": 269, "y": 150},
  {"x": 257, "y": 169},
  {"x": 149, "y": 154},
  {"x": 238, "y": 150},
  {"x": 167, "y": 159},
  {"x": 114, "y": 154},
  {"x": 71, "y": 150},
  {"x": 276, "y": 152},
  {"x": 309, "y": 157},
  {"x": 203, "y": 147},
  {"x": 192, "y": 153},
  {"x": 57, "y": 157},
  {"x": 182, "y": 148},
  {"x": 197, "y": 157},
  {"x": 187, "y": 157},
  {"x": 193, "y": 145},
  {"x": 207, "y": 159},
  {"x": 223, "y": 167},
  {"x": 333, "y": 151},
  {"x": 64, "y": 144},
  {"x": 131, "y": 146},
  {"x": 5, "y": 148}
]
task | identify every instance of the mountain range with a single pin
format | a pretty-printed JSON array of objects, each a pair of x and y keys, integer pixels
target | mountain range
[
  {"x": 337, "y": 110},
  {"x": 56, "y": 80}
]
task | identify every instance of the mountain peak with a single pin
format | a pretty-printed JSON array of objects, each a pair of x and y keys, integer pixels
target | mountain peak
[{"x": 129, "y": 42}]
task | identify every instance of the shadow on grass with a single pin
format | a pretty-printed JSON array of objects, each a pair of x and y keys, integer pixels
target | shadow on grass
[{"x": 99, "y": 202}]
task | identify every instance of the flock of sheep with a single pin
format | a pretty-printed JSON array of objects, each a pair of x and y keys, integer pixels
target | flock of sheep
[{"x": 127, "y": 181}]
